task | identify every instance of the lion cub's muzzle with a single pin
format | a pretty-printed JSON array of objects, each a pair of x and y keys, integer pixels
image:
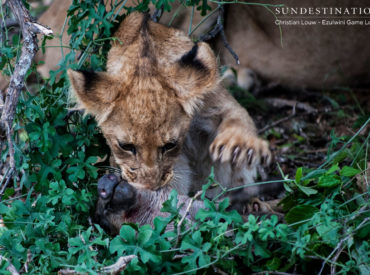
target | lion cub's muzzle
[{"x": 150, "y": 179}]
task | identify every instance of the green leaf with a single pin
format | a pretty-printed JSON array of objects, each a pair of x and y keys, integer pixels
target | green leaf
[
  {"x": 144, "y": 235},
  {"x": 261, "y": 251},
  {"x": 34, "y": 136},
  {"x": 349, "y": 172},
  {"x": 327, "y": 181},
  {"x": 307, "y": 190},
  {"x": 300, "y": 213},
  {"x": 146, "y": 256},
  {"x": 314, "y": 174},
  {"x": 332, "y": 169},
  {"x": 170, "y": 205},
  {"x": 298, "y": 175},
  {"x": 160, "y": 223},
  {"x": 195, "y": 243},
  {"x": 224, "y": 204},
  {"x": 273, "y": 264}
]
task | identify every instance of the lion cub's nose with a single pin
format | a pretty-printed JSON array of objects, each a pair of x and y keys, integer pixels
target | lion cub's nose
[{"x": 106, "y": 185}]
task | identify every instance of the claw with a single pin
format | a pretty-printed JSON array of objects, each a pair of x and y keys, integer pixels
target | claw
[
  {"x": 250, "y": 156},
  {"x": 236, "y": 153},
  {"x": 220, "y": 150}
]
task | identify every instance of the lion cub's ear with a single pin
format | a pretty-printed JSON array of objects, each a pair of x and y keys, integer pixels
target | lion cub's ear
[
  {"x": 196, "y": 75},
  {"x": 93, "y": 91}
]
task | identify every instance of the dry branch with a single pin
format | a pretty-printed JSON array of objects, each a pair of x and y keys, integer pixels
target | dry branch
[
  {"x": 115, "y": 268},
  {"x": 120, "y": 265},
  {"x": 29, "y": 30},
  {"x": 219, "y": 29},
  {"x": 10, "y": 267},
  {"x": 67, "y": 272},
  {"x": 275, "y": 123},
  {"x": 280, "y": 103},
  {"x": 157, "y": 14},
  {"x": 187, "y": 211}
]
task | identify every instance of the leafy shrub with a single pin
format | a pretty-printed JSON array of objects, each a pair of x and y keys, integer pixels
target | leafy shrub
[{"x": 46, "y": 211}]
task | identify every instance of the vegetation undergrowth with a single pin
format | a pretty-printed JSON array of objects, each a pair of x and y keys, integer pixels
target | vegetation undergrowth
[{"x": 60, "y": 155}]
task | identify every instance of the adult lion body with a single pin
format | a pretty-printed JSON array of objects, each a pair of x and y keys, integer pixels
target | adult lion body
[
  {"x": 164, "y": 114},
  {"x": 312, "y": 56}
]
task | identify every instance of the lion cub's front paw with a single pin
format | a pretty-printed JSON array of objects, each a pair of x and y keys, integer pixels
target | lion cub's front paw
[{"x": 240, "y": 147}]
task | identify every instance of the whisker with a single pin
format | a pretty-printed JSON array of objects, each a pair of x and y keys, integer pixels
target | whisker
[{"x": 110, "y": 168}]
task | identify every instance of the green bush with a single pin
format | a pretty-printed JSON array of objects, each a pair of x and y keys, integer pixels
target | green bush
[{"x": 46, "y": 211}]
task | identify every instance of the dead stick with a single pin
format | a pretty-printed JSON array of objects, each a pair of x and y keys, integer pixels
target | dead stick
[
  {"x": 29, "y": 30},
  {"x": 157, "y": 14},
  {"x": 11, "y": 267},
  {"x": 67, "y": 272},
  {"x": 219, "y": 29},
  {"x": 118, "y": 266},
  {"x": 278, "y": 121},
  {"x": 188, "y": 207},
  {"x": 223, "y": 35}
]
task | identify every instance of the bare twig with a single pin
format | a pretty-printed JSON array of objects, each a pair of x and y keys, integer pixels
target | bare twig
[
  {"x": 216, "y": 29},
  {"x": 273, "y": 273},
  {"x": 187, "y": 211},
  {"x": 115, "y": 268},
  {"x": 339, "y": 248},
  {"x": 280, "y": 102},
  {"x": 28, "y": 260},
  {"x": 219, "y": 271},
  {"x": 67, "y": 272},
  {"x": 333, "y": 266},
  {"x": 90, "y": 247},
  {"x": 188, "y": 207},
  {"x": 278, "y": 121},
  {"x": 29, "y": 30},
  {"x": 11, "y": 267},
  {"x": 118, "y": 266},
  {"x": 219, "y": 29},
  {"x": 224, "y": 39},
  {"x": 157, "y": 14}
]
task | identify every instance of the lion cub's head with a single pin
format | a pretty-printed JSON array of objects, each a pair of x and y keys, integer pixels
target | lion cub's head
[{"x": 156, "y": 79}]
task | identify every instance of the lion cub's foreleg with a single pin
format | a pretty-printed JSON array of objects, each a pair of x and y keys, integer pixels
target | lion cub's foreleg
[
  {"x": 234, "y": 148},
  {"x": 236, "y": 140}
]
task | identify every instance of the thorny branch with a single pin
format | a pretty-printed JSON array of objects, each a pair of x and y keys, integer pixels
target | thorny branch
[
  {"x": 219, "y": 29},
  {"x": 29, "y": 30}
]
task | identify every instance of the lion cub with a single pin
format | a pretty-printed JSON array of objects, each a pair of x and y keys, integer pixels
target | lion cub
[{"x": 165, "y": 115}]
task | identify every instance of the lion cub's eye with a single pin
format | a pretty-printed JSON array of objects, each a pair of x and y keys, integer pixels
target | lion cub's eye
[
  {"x": 168, "y": 147},
  {"x": 128, "y": 147}
]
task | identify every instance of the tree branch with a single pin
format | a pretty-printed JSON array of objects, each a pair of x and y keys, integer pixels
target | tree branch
[
  {"x": 157, "y": 14},
  {"x": 29, "y": 30},
  {"x": 219, "y": 29}
]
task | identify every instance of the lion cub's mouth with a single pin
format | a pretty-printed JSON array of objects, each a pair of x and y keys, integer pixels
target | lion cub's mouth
[
  {"x": 165, "y": 180},
  {"x": 142, "y": 186}
]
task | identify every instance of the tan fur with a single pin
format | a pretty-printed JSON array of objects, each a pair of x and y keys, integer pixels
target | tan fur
[
  {"x": 312, "y": 56},
  {"x": 151, "y": 95}
]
